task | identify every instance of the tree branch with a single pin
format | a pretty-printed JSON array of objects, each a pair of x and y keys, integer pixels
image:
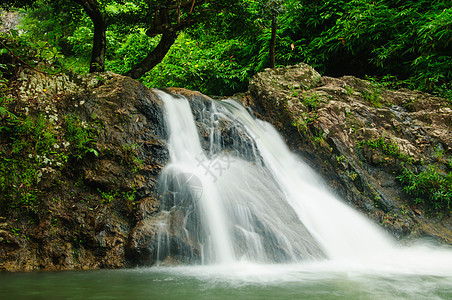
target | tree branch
[
  {"x": 91, "y": 7},
  {"x": 22, "y": 61},
  {"x": 155, "y": 57}
]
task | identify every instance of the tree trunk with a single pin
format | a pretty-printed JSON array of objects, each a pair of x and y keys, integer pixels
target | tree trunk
[
  {"x": 271, "y": 51},
  {"x": 91, "y": 8},
  {"x": 99, "y": 47},
  {"x": 155, "y": 57}
]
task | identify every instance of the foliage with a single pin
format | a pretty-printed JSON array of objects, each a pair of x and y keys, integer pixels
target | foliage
[
  {"x": 33, "y": 151},
  {"x": 402, "y": 43},
  {"x": 430, "y": 187},
  {"x": 79, "y": 136},
  {"x": 388, "y": 148},
  {"x": 410, "y": 39},
  {"x": 108, "y": 196},
  {"x": 373, "y": 97},
  {"x": 305, "y": 118},
  {"x": 125, "y": 51},
  {"x": 311, "y": 101},
  {"x": 17, "y": 53},
  {"x": 62, "y": 30},
  {"x": 210, "y": 66},
  {"x": 28, "y": 150},
  {"x": 19, "y": 190}
]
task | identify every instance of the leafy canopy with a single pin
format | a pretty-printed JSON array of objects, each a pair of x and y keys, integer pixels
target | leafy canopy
[{"x": 408, "y": 43}]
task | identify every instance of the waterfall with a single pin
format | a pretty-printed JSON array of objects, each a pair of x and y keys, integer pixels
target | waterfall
[
  {"x": 233, "y": 192},
  {"x": 340, "y": 230}
]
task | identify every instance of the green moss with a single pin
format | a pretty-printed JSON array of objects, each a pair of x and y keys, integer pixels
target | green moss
[
  {"x": 311, "y": 101},
  {"x": 130, "y": 157},
  {"x": 353, "y": 122},
  {"x": 34, "y": 152},
  {"x": 349, "y": 90},
  {"x": 29, "y": 149},
  {"x": 431, "y": 187}
]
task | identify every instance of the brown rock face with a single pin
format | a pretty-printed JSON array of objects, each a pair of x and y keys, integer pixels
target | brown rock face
[
  {"x": 89, "y": 208},
  {"x": 359, "y": 137}
]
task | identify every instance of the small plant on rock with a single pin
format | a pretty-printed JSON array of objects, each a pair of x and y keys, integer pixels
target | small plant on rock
[
  {"x": 373, "y": 97},
  {"x": 430, "y": 187},
  {"x": 80, "y": 137}
]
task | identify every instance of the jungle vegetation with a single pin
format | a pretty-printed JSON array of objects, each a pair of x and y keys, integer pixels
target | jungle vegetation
[{"x": 215, "y": 46}]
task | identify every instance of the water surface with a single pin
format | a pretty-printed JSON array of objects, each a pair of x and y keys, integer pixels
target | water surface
[{"x": 247, "y": 281}]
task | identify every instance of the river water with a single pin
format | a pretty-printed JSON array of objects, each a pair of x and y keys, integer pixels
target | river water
[{"x": 311, "y": 281}]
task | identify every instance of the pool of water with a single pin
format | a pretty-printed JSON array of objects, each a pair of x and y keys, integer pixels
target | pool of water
[{"x": 246, "y": 281}]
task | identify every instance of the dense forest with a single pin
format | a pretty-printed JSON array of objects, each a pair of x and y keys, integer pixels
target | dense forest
[{"x": 215, "y": 46}]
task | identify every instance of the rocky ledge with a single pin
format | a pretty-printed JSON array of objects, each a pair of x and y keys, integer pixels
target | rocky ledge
[{"x": 372, "y": 145}]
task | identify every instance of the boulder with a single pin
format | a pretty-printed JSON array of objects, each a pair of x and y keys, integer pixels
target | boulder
[{"x": 89, "y": 205}]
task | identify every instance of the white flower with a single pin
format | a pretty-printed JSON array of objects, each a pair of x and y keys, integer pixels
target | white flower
[
  {"x": 53, "y": 118},
  {"x": 39, "y": 175}
]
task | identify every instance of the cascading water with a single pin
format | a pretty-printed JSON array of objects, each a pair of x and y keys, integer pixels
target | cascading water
[
  {"x": 234, "y": 193},
  {"x": 224, "y": 199},
  {"x": 340, "y": 230}
]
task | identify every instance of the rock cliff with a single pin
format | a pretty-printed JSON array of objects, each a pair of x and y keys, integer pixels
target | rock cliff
[
  {"x": 97, "y": 203},
  {"x": 362, "y": 139},
  {"x": 97, "y": 178}
]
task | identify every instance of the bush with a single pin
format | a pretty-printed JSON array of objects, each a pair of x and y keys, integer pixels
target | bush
[
  {"x": 430, "y": 188},
  {"x": 209, "y": 66},
  {"x": 411, "y": 40}
]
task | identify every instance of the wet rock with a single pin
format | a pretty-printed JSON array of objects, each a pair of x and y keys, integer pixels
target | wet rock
[
  {"x": 147, "y": 207},
  {"x": 142, "y": 245}
]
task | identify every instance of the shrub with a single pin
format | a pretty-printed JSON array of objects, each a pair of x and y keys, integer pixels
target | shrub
[{"x": 429, "y": 187}]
